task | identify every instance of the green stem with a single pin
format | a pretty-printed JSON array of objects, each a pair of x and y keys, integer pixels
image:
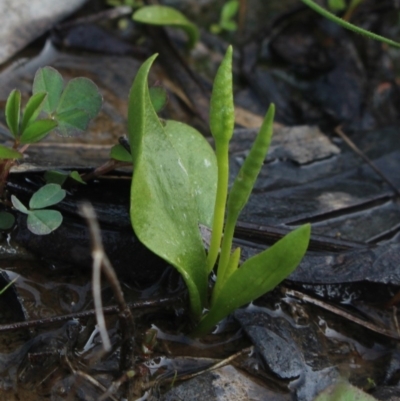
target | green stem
[
  {"x": 225, "y": 264},
  {"x": 348, "y": 25},
  {"x": 222, "y": 152}
]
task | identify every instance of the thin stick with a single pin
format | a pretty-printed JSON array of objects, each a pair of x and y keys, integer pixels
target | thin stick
[
  {"x": 340, "y": 312},
  {"x": 217, "y": 365},
  {"x": 360, "y": 153},
  {"x": 101, "y": 260},
  {"x": 108, "y": 310}
]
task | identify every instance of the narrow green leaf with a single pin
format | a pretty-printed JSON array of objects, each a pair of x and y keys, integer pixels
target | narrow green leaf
[
  {"x": 13, "y": 109},
  {"x": 8, "y": 153},
  {"x": 248, "y": 173},
  {"x": 257, "y": 276},
  {"x": 18, "y": 204},
  {"x": 118, "y": 152},
  {"x": 76, "y": 177},
  {"x": 43, "y": 222},
  {"x": 49, "y": 80},
  {"x": 332, "y": 17},
  {"x": 229, "y": 10},
  {"x": 48, "y": 195},
  {"x": 37, "y": 130},
  {"x": 32, "y": 109},
  {"x": 222, "y": 114},
  {"x": 163, "y": 212},
  {"x": 7, "y": 220},
  {"x": 80, "y": 94},
  {"x": 167, "y": 16},
  {"x": 198, "y": 159}
]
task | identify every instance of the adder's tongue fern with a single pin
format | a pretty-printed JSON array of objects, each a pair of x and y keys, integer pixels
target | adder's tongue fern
[
  {"x": 239, "y": 195},
  {"x": 222, "y": 120}
]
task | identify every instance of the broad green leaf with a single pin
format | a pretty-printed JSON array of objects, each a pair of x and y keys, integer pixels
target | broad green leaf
[
  {"x": 158, "y": 97},
  {"x": 163, "y": 211},
  {"x": 32, "y": 109},
  {"x": 167, "y": 16},
  {"x": 80, "y": 94},
  {"x": 49, "y": 80},
  {"x": 48, "y": 195},
  {"x": 229, "y": 10},
  {"x": 118, "y": 152},
  {"x": 55, "y": 177},
  {"x": 222, "y": 114},
  {"x": 43, "y": 222},
  {"x": 8, "y": 153},
  {"x": 37, "y": 130},
  {"x": 343, "y": 391},
  {"x": 13, "y": 109},
  {"x": 6, "y": 220},
  {"x": 72, "y": 122},
  {"x": 257, "y": 276},
  {"x": 198, "y": 159},
  {"x": 18, "y": 204}
]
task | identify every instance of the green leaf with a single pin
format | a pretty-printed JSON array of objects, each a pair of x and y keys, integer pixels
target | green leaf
[
  {"x": 7, "y": 220},
  {"x": 257, "y": 276},
  {"x": 72, "y": 122},
  {"x": 79, "y": 103},
  {"x": 118, "y": 152},
  {"x": 48, "y": 195},
  {"x": 167, "y": 16},
  {"x": 200, "y": 162},
  {"x": 163, "y": 211},
  {"x": 18, "y": 204},
  {"x": 343, "y": 391},
  {"x": 32, "y": 109},
  {"x": 336, "y": 5},
  {"x": 43, "y": 222},
  {"x": 55, "y": 177},
  {"x": 158, "y": 97},
  {"x": 76, "y": 177},
  {"x": 80, "y": 94},
  {"x": 37, "y": 130},
  {"x": 222, "y": 114},
  {"x": 229, "y": 25},
  {"x": 13, "y": 108},
  {"x": 49, "y": 80},
  {"x": 229, "y": 10},
  {"x": 8, "y": 153}
]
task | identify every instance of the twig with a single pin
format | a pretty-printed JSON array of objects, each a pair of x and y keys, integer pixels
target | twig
[
  {"x": 102, "y": 263},
  {"x": 108, "y": 310},
  {"x": 340, "y": 312},
  {"x": 217, "y": 365},
  {"x": 360, "y": 153}
]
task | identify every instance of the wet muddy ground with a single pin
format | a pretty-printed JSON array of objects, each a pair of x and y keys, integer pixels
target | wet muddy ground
[{"x": 335, "y": 318}]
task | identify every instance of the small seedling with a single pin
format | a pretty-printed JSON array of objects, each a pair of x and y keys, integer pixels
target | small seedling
[
  {"x": 226, "y": 20},
  {"x": 42, "y": 221},
  {"x": 179, "y": 182},
  {"x": 68, "y": 111}
]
